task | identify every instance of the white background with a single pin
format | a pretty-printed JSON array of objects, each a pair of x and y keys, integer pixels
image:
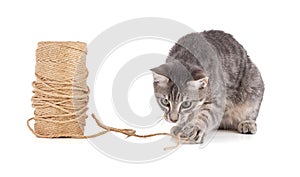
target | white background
[{"x": 269, "y": 30}]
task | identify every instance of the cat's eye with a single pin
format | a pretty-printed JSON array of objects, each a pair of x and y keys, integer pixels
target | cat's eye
[
  {"x": 164, "y": 101},
  {"x": 186, "y": 104}
]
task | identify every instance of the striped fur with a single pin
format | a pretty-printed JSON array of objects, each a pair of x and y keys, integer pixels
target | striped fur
[{"x": 232, "y": 97}]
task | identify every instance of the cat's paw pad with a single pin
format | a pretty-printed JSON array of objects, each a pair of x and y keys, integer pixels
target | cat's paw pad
[
  {"x": 247, "y": 127},
  {"x": 192, "y": 133}
]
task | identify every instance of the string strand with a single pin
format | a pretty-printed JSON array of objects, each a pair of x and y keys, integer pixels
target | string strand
[{"x": 128, "y": 132}]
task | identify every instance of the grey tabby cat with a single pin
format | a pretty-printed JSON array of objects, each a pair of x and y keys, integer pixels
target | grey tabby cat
[{"x": 208, "y": 82}]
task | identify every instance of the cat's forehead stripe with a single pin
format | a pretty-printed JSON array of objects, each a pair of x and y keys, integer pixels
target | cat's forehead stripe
[{"x": 174, "y": 94}]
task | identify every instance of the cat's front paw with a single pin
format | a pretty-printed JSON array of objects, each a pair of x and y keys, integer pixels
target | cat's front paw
[
  {"x": 193, "y": 133},
  {"x": 175, "y": 130}
]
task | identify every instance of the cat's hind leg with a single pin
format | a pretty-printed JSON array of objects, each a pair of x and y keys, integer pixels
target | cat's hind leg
[
  {"x": 248, "y": 114},
  {"x": 241, "y": 116},
  {"x": 243, "y": 104}
]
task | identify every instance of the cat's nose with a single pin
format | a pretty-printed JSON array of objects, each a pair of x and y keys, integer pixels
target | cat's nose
[{"x": 174, "y": 118}]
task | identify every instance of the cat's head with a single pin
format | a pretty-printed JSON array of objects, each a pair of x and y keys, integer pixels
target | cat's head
[{"x": 179, "y": 92}]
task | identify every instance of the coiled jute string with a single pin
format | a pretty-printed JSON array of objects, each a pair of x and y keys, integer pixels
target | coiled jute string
[{"x": 61, "y": 94}]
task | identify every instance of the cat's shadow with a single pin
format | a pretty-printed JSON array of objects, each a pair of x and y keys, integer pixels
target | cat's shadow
[{"x": 225, "y": 136}]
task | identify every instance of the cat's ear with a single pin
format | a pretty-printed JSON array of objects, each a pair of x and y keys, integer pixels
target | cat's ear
[
  {"x": 160, "y": 80},
  {"x": 198, "y": 84}
]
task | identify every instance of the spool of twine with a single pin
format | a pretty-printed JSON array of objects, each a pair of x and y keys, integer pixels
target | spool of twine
[
  {"x": 61, "y": 94},
  {"x": 60, "y": 90}
]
